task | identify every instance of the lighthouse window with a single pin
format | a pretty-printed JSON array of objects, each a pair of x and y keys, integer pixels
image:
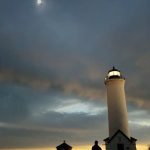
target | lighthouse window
[{"x": 114, "y": 73}]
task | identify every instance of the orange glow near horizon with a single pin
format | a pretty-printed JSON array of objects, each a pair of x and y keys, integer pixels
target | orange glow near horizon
[{"x": 85, "y": 147}]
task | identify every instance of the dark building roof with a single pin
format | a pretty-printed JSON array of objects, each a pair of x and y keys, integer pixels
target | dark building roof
[
  {"x": 131, "y": 139},
  {"x": 64, "y": 145}
]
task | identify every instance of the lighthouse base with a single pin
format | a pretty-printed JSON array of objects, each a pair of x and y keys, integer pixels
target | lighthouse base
[{"x": 119, "y": 141}]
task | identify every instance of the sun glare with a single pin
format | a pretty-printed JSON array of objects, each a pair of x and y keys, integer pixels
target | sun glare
[{"x": 39, "y": 2}]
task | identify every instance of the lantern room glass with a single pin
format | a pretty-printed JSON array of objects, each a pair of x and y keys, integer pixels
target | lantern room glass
[{"x": 114, "y": 73}]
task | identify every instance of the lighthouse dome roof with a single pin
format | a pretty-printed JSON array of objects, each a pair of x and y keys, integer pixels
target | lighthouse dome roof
[{"x": 113, "y": 69}]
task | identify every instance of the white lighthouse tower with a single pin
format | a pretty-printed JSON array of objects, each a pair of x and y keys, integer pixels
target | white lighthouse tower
[
  {"x": 117, "y": 110},
  {"x": 119, "y": 135}
]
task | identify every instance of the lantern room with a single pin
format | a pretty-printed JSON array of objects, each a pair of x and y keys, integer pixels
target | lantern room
[{"x": 114, "y": 74}]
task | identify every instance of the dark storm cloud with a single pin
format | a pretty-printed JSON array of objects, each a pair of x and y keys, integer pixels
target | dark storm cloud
[
  {"x": 48, "y": 126},
  {"x": 88, "y": 87},
  {"x": 30, "y": 115},
  {"x": 63, "y": 51},
  {"x": 39, "y": 47},
  {"x": 13, "y": 106},
  {"x": 42, "y": 138},
  {"x": 19, "y": 103},
  {"x": 30, "y": 137},
  {"x": 74, "y": 121}
]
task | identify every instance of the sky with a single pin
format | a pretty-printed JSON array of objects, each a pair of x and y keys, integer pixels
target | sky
[{"x": 54, "y": 57}]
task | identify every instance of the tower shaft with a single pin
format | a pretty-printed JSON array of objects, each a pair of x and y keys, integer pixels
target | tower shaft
[{"x": 117, "y": 110}]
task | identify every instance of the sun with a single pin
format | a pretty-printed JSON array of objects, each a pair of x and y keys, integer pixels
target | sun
[{"x": 39, "y": 2}]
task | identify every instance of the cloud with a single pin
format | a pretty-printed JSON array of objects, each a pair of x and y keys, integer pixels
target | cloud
[
  {"x": 89, "y": 90},
  {"x": 30, "y": 118},
  {"x": 53, "y": 61},
  {"x": 52, "y": 127}
]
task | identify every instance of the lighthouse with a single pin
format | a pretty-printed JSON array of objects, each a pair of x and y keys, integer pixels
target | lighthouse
[
  {"x": 117, "y": 110},
  {"x": 119, "y": 135}
]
